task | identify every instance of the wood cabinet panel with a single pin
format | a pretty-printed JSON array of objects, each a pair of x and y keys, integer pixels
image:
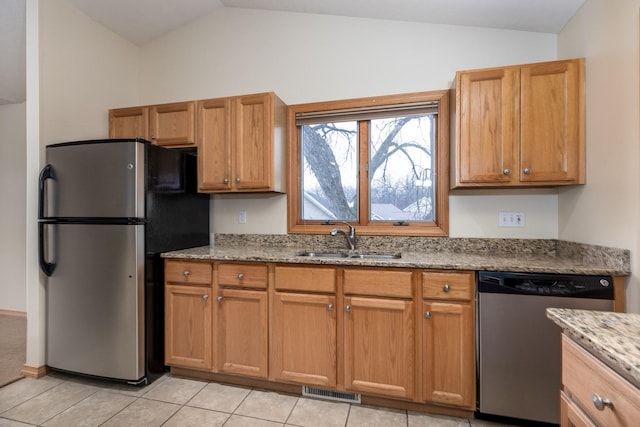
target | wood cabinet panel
[
  {"x": 448, "y": 286},
  {"x": 132, "y": 122},
  {"x": 305, "y": 279},
  {"x": 214, "y": 147},
  {"x": 520, "y": 125},
  {"x": 304, "y": 344},
  {"x": 583, "y": 375},
  {"x": 378, "y": 282},
  {"x": 172, "y": 124},
  {"x": 188, "y": 323},
  {"x": 379, "y": 346},
  {"x": 242, "y": 332},
  {"x": 188, "y": 272},
  {"x": 448, "y": 351},
  {"x": 243, "y": 275}
]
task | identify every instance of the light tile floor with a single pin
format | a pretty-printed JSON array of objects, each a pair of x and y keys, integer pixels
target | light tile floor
[{"x": 60, "y": 400}]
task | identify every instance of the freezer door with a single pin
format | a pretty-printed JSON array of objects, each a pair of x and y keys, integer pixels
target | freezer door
[
  {"x": 95, "y": 300},
  {"x": 100, "y": 179}
]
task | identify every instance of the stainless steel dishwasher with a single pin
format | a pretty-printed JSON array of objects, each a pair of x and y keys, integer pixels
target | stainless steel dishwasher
[{"x": 518, "y": 348}]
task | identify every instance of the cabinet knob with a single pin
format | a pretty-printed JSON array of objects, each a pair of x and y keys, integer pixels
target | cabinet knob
[
  {"x": 329, "y": 307},
  {"x": 240, "y": 276},
  {"x": 347, "y": 308},
  {"x": 205, "y": 297},
  {"x": 153, "y": 137},
  {"x": 446, "y": 288},
  {"x": 225, "y": 181},
  {"x": 427, "y": 315},
  {"x": 186, "y": 273},
  {"x": 237, "y": 179},
  {"x": 219, "y": 299},
  {"x": 527, "y": 171},
  {"x": 506, "y": 171},
  {"x": 601, "y": 402}
]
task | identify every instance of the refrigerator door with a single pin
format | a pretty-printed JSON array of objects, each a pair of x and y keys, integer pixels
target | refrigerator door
[
  {"x": 99, "y": 179},
  {"x": 95, "y": 300}
]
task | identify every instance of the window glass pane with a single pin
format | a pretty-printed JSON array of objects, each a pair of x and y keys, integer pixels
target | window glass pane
[
  {"x": 401, "y": 167},
  {"x": 330, "y": 171}
]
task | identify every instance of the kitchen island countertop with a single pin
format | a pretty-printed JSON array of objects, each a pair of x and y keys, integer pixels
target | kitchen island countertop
[{"x": 614, "y": 338}]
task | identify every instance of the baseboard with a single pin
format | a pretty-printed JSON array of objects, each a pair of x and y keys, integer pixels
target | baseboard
[
  {"x": 13, "y": 313},
  {"x": 34, "y": 371}
]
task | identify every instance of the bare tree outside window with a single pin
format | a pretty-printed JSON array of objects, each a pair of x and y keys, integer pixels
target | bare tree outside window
[{"x": 400, "y": 169}]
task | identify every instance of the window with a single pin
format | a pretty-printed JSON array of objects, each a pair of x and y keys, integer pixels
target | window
[{"x": 381, "y": 164}]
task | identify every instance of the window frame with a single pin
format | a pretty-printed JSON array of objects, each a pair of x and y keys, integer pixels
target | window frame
[{"x": 438, "y": 227}]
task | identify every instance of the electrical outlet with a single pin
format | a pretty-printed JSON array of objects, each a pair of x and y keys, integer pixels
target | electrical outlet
[
  {"x": 242, "y": 217},
  {"x": 511, "y": 219}
]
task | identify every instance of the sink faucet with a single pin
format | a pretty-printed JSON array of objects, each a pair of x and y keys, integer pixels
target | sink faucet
[{"x": 351, "y": 236}]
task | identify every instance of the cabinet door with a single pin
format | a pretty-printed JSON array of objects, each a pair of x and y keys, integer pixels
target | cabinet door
[
  {"x": 129, "y": 123},
  {"x": 188, "y": 319},
  {"x": 172, "y": 124},
  {"x": 551, "y": 125},
  {"x": 253, "y": 141},
  {"x": 571, "y": 415},
  {"x": 488, "y": 109},
  {"x": 214, "y": 144},
  {"x": 242, "y": 332},
  {"x": 449, "y": 354},
  {"x": 379, "y": 348},
  {"x": 303, "y": 347}
]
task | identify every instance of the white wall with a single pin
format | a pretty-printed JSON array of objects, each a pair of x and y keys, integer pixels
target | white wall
[
  {"x": 76, "y": 71},
  {"x": 606, "y": 211},
  {"x": 12, "y": 208},
  {"x": 306, "y": 58}
]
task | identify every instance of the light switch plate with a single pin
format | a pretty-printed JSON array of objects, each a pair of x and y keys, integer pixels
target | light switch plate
[{"x": 511, "y": 219}]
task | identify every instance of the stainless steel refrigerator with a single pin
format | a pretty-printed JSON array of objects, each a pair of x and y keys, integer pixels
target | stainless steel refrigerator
[{"x": 107, "y": 210}]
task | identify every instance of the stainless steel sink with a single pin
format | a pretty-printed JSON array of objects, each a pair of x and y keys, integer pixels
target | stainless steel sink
[
  {"x": 311, "y": 254},
  {"x": 324, "y": 254},
  {"x": 376, "y": 256}
]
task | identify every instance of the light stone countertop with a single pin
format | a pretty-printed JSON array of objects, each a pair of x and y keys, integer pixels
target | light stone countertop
[
  {"x": 614, "y": 338},
  {"x": 432, "y": 259}
]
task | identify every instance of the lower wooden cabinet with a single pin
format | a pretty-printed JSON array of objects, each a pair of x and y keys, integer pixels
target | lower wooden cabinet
[
  {"x": 386, "y": 333},
  {"x": 448, "y": 338},
  {"x": 379, "y": 342},
  {"x": 241, "y": 332},
  {"x": 379, "y": 346},
  {"x": 304, "y": 326},
  {"x": 188, "y": 315},
  {"x": 593, "y": 394}
]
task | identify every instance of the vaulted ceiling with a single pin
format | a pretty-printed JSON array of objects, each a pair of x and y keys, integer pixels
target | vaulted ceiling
[{"x": 142, "y": 21}]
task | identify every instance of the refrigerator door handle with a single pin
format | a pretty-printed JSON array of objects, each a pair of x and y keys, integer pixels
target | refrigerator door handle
[
  {"x": 46, "y": 173},
  {"x": 46, "y": 267}
]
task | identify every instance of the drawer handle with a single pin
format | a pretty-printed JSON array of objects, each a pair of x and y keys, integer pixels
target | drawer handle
[
  {"x": 186, "y": 273},
  {"x": 225, "y": 181},
  {"x": 446, "y": 288},
  {"x": 601, "y": 402},
  {"x": 506, "y": 172},
  {"x": 240, "y": 276}
]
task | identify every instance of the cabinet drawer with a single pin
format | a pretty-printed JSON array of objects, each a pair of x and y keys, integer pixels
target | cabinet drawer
[
  {"x": 446, "y": 285},
  {"x": 188, "y": 272},
  {"x": 243, "y": 275},
  {"x": 377, "y": 282},
  {"x": 583, "y": 375},
  {"x": 306, "y": 279}
]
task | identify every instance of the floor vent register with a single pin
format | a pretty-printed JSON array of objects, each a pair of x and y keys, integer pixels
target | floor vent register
[{"x": 336, "y": 396}]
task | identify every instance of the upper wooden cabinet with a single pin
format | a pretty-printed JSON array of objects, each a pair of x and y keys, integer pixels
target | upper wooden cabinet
[
  {"x": 241, "y": 144},
  {"x": 164, "y": 124},
  {"x": 520, "y": 125}
]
